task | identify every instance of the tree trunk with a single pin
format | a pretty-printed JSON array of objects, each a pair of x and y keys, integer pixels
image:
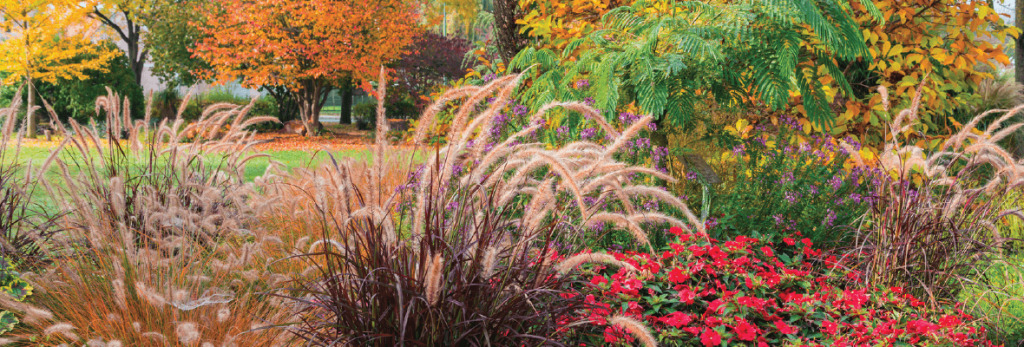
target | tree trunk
[
  {"x": 509, "y": 40},
  {"x": 287, "y": 109},
  {"x": 30, "y": 114},
  {"x": 1018, "y": 59},
  {"x": 306, "y": 103},
  {"x": 346, "y": 101},
  {"x": 311, "y": 100},
  {"x": 136, "y": 59},
  {"x": 131, "y": 34}
]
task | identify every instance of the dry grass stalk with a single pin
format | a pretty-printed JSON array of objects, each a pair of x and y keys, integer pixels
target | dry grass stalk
[
  {"x": 572, "y": 262},
  {"x": 937, "y": 234},
  {"x": 144, "y": 217},
  {"x": 635, "y": 328}
]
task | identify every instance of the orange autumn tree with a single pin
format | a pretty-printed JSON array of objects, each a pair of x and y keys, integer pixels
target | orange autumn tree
[{"x": 304, "y": 47}]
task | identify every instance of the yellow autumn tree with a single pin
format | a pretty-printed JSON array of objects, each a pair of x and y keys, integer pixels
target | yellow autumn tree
[
  {"x": 47, "y": 40},
  {"x": 557, "y": 22},
  {"x": 954, "y": 44}
]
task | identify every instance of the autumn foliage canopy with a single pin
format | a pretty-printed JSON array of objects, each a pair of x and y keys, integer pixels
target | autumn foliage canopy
[{"x": 304, "y": 46}]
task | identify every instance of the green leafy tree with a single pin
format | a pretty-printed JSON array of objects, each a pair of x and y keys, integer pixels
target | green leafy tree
[
  {"x": 126, "y": 18},
  {"x": 669, "y": 57},
  {"x": 76, "y": 99},
  {"x": 173, "y": 34}
]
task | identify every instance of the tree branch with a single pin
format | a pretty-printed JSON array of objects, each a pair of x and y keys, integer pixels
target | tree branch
[{"x": 106, "y": 21}]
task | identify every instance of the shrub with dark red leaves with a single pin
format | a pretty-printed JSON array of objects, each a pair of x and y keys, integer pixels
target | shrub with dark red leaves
[{"x": 742, "y": 292}]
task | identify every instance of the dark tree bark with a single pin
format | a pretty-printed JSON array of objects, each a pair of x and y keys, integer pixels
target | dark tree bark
[
  {"x": 310, "y": 99},
  {"x": 347, "y": 89},
  {"x": 510, "y": 41},
  {"x": 286, "y": 108},
  {"x": 130, "y": 33},
  {"x": 1018, "y": 58}
]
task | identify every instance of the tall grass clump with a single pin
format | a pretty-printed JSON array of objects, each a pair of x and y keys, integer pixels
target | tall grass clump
[
  {"x": 157, "y": 245},
  {"x": 1000, "y": 299},
  {"x": 933, "y": 227},
  {"x": 25, "y": 224},
  {"x": 468, "y": 250}
]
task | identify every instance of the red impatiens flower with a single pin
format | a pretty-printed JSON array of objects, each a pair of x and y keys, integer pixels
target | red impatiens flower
[
  {"x": 855, "y": 298},
  {"x": 716, "y": 253},
  {"x": 785, "y": 328},
  {"x": 949, "y": 321},
  {"x": 687, "y": 295},
  {"x": 710, "y": 337},
  {"x": 677, "y": 275},
  {"x": 830, "y": 328},
  {"x": 745, "y": 331},
  {"x": 676, "y": 319},
  {"x": 752, "y": 302},
  {"x": 676, "y": 231},
  {"x": 921, "y": 326},
  {"x": 740, "y": 292}
]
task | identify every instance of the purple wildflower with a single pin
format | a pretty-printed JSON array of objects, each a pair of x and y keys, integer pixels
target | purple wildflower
[
  {"x": 588, "y": 133},
  {"x": 738, "y": 150}
]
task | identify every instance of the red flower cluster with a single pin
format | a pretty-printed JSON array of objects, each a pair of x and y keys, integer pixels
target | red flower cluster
[{"x": 703, "y": 292}]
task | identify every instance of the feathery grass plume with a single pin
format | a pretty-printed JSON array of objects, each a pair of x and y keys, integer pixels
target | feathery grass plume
[
  {"x": 489, "y": 262},
  {"x": 884, "y": 93},
  {"x": 635, "y": 328},
  {"x": 572, "y": 262},
  {"x": 64, "y": 329},
  {"x": 186, "y": 332},
  {"x": 27, "y": 227},
  {"x": 429, "y": 117},
  {"x": 483, "y": 217},
  {"x": 432, "y": 281},
  {"x": 464, "y": 112},
  {"x": 931, "y": 226},
  {"x": 999, "y": 94},
  {"x": 587, "y": 111},
  {"x": 142, "y": 218}
]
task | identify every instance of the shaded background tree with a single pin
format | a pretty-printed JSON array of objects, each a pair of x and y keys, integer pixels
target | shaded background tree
[
  {"x": 510, "y": 39},
  {"x": 171, "y": 40},
  {"x": 432, "y": 61},
  {"x": 126, "y": 18},
  {"x": 668, "y": 60}
]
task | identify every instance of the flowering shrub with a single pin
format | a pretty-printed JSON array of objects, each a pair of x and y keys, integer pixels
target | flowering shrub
[
  {"x": 786, "y": 184},
  {"x": 705, "y": 292}
]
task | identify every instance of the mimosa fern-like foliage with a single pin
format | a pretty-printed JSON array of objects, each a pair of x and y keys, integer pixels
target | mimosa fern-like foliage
[{"x": 670, "y": 57}]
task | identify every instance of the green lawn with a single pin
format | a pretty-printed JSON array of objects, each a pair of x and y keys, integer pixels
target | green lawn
[
  {"x": 256, "y": 167},
  {"x": 294, "y": 159}
]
